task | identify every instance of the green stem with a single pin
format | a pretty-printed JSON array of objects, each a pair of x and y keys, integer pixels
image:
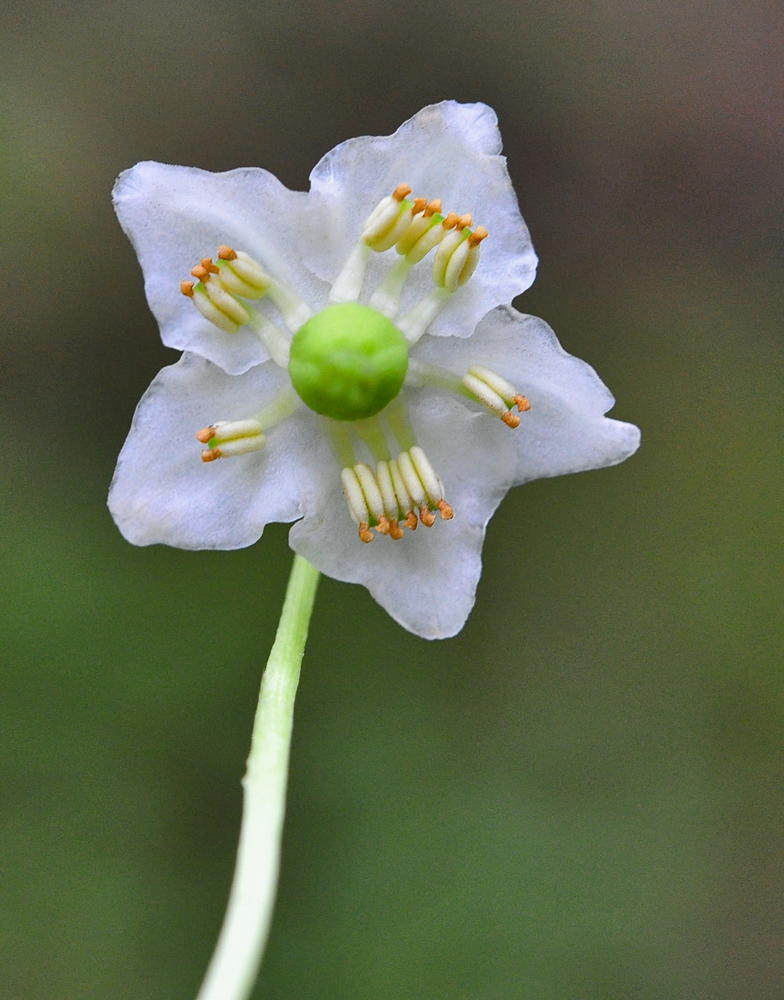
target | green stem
[{"x": 235, "y": 963}]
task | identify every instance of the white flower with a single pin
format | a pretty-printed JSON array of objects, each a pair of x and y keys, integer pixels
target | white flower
[{"x": 409, "y": 386}]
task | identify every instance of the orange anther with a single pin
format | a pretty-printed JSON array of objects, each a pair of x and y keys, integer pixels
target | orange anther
[
  {"x": 206, "y": 434},
  {"x": 226, "y": 253},
  {"x": 206, "y": 262},
  {"x": 419, "y": 205},
  {"x": 365, "y": 533},
  {"x": 200, "y": 272},
  {"x": 510, "y": 419},
  {"x": 186, "y": 287},
  {"x": 411, "y": 521},
  {"x": 210, "y": 454},
  {"x": 451, "y": 220},
  {"x": 395, "y": 530},
  {"x": 383, "y": 527},
  {"x": 401, "y": 191},
  {"x": 446, "y": 511},
  {"x": 464, "y": 221},
  {"x": 522, "y": 403},
  {"x": 427, "y": 517},
  {"x": 479, "y": 234},
  {"x": 433, "y": 207}
]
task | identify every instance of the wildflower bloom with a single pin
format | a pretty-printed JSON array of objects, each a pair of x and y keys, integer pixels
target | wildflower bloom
[{"x": 350, "y": 363}]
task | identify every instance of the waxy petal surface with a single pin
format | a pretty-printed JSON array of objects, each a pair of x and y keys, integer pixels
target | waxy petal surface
[
  {"x": 566, "y": 429},
  {"x": 174, "y": 216},
  {"x": 162, "y": 491},
  {"x": 427, "y": 580},
  {"x": 449, "y": 151}
]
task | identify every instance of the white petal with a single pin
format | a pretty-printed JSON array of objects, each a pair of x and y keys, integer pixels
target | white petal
[
  {"x": 565, "y": 429},
  {"x": 427, "y": 580},
  {"x": 163, "y": 492},
  {"x": 448, "y": 151},
  {"x": 174, "y": 216}
]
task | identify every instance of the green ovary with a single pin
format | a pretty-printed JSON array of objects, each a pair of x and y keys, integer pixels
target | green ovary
[{"x": 348, "y": 361}]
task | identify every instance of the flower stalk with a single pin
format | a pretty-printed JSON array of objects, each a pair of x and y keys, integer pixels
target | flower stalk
[{"x": 237, "y": 957}]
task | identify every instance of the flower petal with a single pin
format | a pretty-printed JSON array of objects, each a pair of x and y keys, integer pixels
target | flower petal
[
  {"x": 565, "y": 429},
  {"x": 163, "y": 492},
  {"x": 448, "y": 151},
  {"x": 175, "y": 216},
  {"x": 427, "y": 580}
]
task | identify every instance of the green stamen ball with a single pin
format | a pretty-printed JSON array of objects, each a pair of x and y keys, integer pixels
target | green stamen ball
[{"x": 348, "y": 361}]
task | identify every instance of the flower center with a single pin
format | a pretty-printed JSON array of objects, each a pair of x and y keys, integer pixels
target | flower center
[{"x": 348, "y": 361}]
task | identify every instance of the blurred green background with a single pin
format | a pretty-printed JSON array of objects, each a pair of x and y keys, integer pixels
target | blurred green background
[{"x": 578, "y": 798}]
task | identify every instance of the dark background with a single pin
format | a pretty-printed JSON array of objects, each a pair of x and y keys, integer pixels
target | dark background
[{"x": 578, "y": 798}]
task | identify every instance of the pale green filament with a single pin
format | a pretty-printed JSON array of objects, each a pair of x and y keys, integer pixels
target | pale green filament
[
  {"x": 274, "y": 339},
  {"x": 372, "y": 433},
  {"x": 396, "y": 416}
]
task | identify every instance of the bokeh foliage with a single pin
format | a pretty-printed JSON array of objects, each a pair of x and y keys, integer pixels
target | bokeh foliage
[{"x": 578, "y": 797}]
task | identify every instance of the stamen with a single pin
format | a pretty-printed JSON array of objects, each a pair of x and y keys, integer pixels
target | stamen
[
  {"x": 430, "y": 237},
  {"x": 274, "y": 339},
  {"x": 456, "y": 260},
  {"x": 348, "y": 283},
  {"x": 427, "y": 475},
  {"x": 391, "y": 505},
  {"x": 357, "y": 504},
  {"x": 237, "y": 273},
  {"x": 355, "y": 497},
  {"x": 371, "y": 431},
  {"x": 373, "y": 498},
  {"x": 454, "y": 245},
  {"x": 385, "y": 217},
  {"x": 229, "y": 430},
  {"x": 225, "y": 301},
  {"x": 419, "y": 318},
  {"x": 380, "y": 499},
  {"x": 414, "y": 485},
  {"x": 294, "y": 311},
  {"x": 495, "y": 393},
  {"x": 446, "y": 510},
  {"x": 204, "y": 268},
  {"x": 405, "y": 484},
  {"x": 284, "y": 404},
  {"x": 397, "y": 230},
  {"x": 420, "y": 224},
  {"x": 386, "y": 298},
  {"x": 242, "y": 267},
  {"x": 426, "y": 517},
  {"x": 209, "y": 309},
  {"x": 227, "y": 439},
  {"x": 404, "y": 500}
]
